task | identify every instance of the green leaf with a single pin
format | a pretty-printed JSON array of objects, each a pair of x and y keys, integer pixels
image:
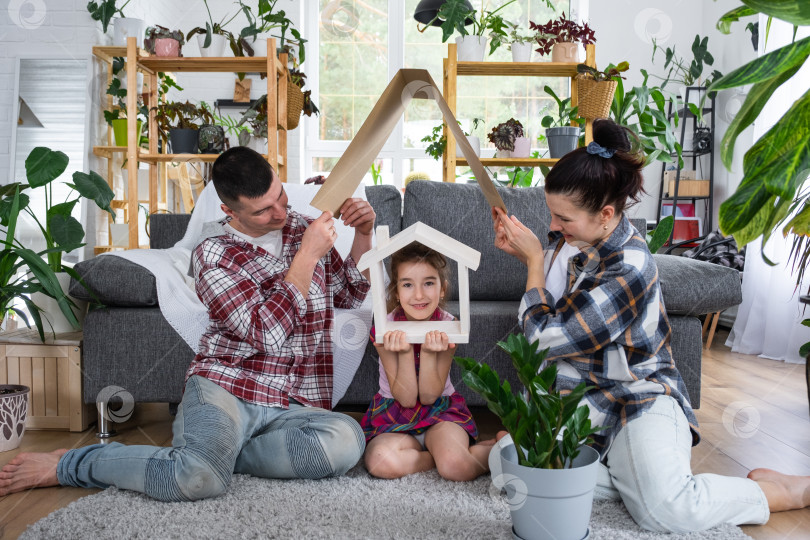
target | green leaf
[
  {"x": 50, "y": 285},
  {"x": 661, "y": 234},
  {"x": 766, "y": 67},
  {"x": 804, "y": 350},
  {"x": 724, "y": 23},
  {"x": 66, "y": 231},
  {"x": 799, "y": 225},
  {"x": 5, "y": 207},
  {"x": 44, "y": 165},
  {"x": 757, "y": 97},
  {"x": 95, "y": 188},
  {"x": 796, "y": 12}
]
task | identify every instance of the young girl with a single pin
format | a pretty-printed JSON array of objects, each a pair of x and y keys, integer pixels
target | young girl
[
  {"x": 608, "y": 328},
  {"x": 417, "y": 420}
]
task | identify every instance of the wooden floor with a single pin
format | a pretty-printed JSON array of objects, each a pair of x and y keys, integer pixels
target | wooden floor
[{"x": 753, "y": 413}]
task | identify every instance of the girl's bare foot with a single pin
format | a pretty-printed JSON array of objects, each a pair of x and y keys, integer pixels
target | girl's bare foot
[
  {"x": 783, "y": 491},
  {"x": 30, "y": 470}
]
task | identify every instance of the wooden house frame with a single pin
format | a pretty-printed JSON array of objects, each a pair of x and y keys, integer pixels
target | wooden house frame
[{"x": 467, "y": 258}]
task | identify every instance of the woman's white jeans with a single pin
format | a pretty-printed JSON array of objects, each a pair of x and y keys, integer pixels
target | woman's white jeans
[{"x": 649, "y": 467}]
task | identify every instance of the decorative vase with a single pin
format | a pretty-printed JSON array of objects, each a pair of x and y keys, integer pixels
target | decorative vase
[
  {"x": 120, "y": 130},
  {"x": 522, "y": 52},
  {"x": 52, "y": 317},
  {"x": 13, "y": 411},
  {"x": 523, "y": 147},
  {"x": 561, "y": 140},
  {"x": 125, "y": 27},
  {"x": 184, "y": 141},
  {"x": 546, "y": 504},
  {"x": 217, "y": 47},
  {"x": 211, "y": 139},
  {"x": 565, "y": 51},
  {"x": 167, "y": 47},
  {"x": 471, "y": 48}
]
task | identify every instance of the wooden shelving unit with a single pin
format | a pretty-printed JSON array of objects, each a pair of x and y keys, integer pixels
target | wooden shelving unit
[
  {"x": 138, "y": 60},
  {"x": 454, "y": 69}
]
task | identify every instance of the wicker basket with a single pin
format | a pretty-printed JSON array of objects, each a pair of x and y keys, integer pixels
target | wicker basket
[
  {"x": 594, "y": 98},
  {"x": 295, "y": 104}
]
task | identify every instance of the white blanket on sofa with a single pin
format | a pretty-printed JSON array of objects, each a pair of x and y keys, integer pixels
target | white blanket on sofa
[{"x": 188, "y": 316}]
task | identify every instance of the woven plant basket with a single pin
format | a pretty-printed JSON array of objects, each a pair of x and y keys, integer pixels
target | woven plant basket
[
  {"x": 295, "y": 104},
  {"x": 594, "y": 98}
]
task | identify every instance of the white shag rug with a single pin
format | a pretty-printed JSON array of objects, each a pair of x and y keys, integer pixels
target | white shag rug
[{"x": 354, "y": 506}]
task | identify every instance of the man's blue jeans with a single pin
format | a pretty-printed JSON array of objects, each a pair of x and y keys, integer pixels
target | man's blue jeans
[{"x": 216, "y": 435}]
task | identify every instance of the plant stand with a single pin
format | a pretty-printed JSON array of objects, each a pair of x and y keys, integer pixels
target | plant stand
[{"x": 52, "y": 370}]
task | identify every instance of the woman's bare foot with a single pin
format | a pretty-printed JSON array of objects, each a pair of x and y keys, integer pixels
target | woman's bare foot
[
  {"x": 501, "y": 435},
  {"x": 30, "y": 470},
  {"x": 783, "y": 491}
]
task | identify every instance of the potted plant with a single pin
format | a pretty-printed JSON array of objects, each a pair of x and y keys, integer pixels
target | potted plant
[
  {"x": 299, "y": 101},
  {"x": 13, "y": 411},
  {"x": 595, "y": 89},
  {"x": 561, "y": 135},
  {"x": 545, "y": 458},
  {"x": 60, "y": 230},
  {"x": 506, "y": 137},
  {"x": 457, "y": 14},
  {"x": 212, "y": 135},
  {"x": 179, "y": 123},
  {"x": 161, "y": 41},
  {"x": 437, "y": 141},
  {"x": 688, "y": 74},
  {"x": 117, "y": 117},
  {"x": 520, "y": 44},
  {"x": 275, "y": 23},
  {"x": 560, "y": 37},
  {"x": 213, "y": 37},
  {"x": 256, "y": 118},
  {"x": 123, "y": 27}
]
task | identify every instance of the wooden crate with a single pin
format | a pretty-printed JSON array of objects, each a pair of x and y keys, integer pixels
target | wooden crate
[
  {"x": 690, "y": 188},
  {"x": 52, "y": 371}
]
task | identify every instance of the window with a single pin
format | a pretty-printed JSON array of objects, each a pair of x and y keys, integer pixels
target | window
[{"x": 363, "y": 43}]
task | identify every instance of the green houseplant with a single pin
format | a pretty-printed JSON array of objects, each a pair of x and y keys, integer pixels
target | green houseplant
[
  {"x": 595, "y": 89},
  {"x": 61, "y": 231},
  {"x": 506, "y": 136},
  {"x": 179, "y": 123},
  {"x": 549, "y": 431},
  {"x": 161, "y": 41},
  {"x": 213, "y": 44},
  {"x": 561, "y": 135},
  {"x": 123, "y": 27},
  {"x": 275, "y": 23},
  {"x": 688, "y": 74},
  {"x": 520, "y": 44},
  {"x": 437, "y": 141}
]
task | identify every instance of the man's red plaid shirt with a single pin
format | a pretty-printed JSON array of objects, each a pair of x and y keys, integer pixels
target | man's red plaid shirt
[{"x": 265, "y": 343}]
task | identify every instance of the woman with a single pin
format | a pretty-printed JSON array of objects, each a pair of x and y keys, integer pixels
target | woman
[{"x": 608, "y": 328}]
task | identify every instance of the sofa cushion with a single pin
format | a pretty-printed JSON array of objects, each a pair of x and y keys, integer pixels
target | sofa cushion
[
  {"x": 387, "y": 203},
  {"x": 692, "y": 287},
  {"x": 116, "y": 282},
  {"x": 167, "y": 229},
  {"x": 461, "y": 212}
]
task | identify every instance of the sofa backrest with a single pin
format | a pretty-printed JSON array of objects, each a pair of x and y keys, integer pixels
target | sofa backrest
[{"x": 461, "y": 212}]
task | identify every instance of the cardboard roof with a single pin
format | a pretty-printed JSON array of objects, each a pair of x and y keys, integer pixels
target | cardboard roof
[
  {"x": 364, "y": 148},
  {"x": 425, "y": 235}
]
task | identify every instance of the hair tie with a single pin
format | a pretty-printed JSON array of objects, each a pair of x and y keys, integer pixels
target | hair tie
[{"x": 594, "y": 148}]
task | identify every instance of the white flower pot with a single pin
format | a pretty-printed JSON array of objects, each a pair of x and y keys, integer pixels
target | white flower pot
[
  {"x": 259, "y": 47},
  {"x": 13, "y": 411},
  {"x": 475, "y": 142},
  {"x": 522, "y": 52},
  {"x": 695, "y": 95},
  {"x": 52, "y": 317},
  {"x": 258, "y": 144},
  {"x": 471, "y": 48},
  {"x": 127, "y": 27},
  {"x": 217, "y": 47}
]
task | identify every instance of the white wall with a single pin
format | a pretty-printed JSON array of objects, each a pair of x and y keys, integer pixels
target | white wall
[{"x": 624, "y": 31}]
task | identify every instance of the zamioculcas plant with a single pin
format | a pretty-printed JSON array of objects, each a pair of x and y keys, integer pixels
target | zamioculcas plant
[{"x": 548, "y": 428}]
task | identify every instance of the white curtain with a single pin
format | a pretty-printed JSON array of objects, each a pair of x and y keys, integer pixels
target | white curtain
[{"x": 769, "y": 319}]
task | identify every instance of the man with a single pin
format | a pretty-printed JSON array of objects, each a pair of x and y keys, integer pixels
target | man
[{"x": 257, "y": 393}]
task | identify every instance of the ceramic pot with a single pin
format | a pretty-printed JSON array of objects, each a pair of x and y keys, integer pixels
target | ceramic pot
[
  {"x": 565, "y": 52},
  {"x": 167, "y": 47},
  {"x": 471, "y": 48},
  {"x": 475, "y": 142},
  {"x": 120, "y": 127},
  {"x": 217, "y": 47},
  {"x": 546, "y": 504},
  {"x": 522, "y": 52},
  {"x": 13, "y": 411},
  {"x": 127, "y": 27},
  {"x": 523, "y": 147},
  {"x": 53, "y": 320},
  {"x": 561, "y": 140},
  {"x": 184, "y": 141}
]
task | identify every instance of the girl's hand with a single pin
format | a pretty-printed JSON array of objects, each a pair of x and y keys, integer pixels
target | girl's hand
[
  {"x": 396, "y": 341},
  {"x": 436, "y": 341},
  {"x": 515, "y": 238}
]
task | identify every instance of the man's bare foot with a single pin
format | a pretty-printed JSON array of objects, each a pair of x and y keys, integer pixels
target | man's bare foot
[
  {"x": 783, "y": 491},
  {"x": 29, "y": 470}
]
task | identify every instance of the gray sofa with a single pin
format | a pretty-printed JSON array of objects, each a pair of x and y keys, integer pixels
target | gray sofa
[{"x": 129, "y": 344}]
